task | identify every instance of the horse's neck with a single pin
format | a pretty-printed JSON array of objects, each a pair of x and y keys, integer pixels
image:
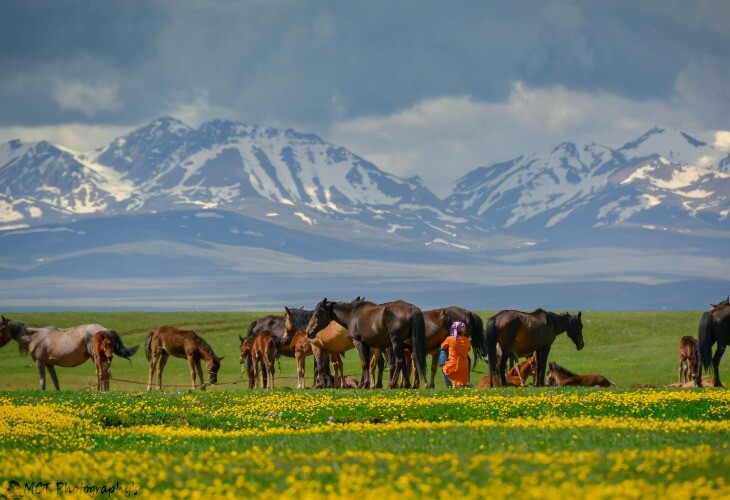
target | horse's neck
[
  {"x": 561, "y": 322},
  {"x": 342, "y": 313},
  {"x": 205, "y": 351},
  {"x": 22, "y": 334},
  {"x": 525, "y": 369}
]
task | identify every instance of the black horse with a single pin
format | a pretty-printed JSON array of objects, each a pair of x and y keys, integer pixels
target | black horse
[{"x": 714, "y": 327}]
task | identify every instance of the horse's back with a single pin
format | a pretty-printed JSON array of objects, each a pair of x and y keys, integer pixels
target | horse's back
[{"x": 66, "y": 347}]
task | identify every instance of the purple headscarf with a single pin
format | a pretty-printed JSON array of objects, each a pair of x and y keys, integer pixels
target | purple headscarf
[{"x": 457, "y": 326}]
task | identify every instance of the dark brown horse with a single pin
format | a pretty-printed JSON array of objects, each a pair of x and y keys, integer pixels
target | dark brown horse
[
  {"x": 381, "y": 326},
  {"x": 169, "y": 341},
  {"x": 523, "y": 333},
  {"x": 559, "y": 376},
  {"x": 714, "y": 327},
  {"x": 687, "y": 358}
]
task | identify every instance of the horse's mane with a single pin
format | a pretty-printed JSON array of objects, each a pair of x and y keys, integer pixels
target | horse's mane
[
  {"x": 564, "y": 371},
  {"x": 300, "y": 317},
  {"x": 16, "y": 328},
  {"x": 204, "y": 346}
]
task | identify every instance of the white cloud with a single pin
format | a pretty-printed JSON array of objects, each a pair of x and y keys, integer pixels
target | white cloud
[
  {"x": 86, "y": 97},
  {"x": 77, "y": 136},
  {"x": 442, "y": 139}
]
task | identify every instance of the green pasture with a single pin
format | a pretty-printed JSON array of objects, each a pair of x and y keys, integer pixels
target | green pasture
[{"x": 627, "y": 347}]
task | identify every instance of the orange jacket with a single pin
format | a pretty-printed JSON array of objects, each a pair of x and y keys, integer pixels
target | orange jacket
[{"x": 457, "y": 366}]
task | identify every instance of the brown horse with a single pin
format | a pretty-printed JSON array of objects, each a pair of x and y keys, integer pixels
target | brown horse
[
  {"x": 687, "y": 358},
  {"x": 169, "y": 341},
  {"x": 103, "y": 354},
  {"x": 381, "y": 326},
  {"x": 50, "y": 346},
  {"x": 515, "y": 377},
  {"x": 523, "y": 333},
  {"x": 262, "y": 352},
  {"x": 560, "y": 376},
  {"x": 438, "y": 323},
  {"x": 714, "y": 327},
  {"x": 302, "y": 348}
]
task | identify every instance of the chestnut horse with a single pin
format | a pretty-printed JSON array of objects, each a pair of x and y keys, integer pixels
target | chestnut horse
[
  {"x": 380, "y": 326},
  {"x": 687, "y": 358},
  {"x": 169, "y": 340},
  {"x": 103, "y": 354},
  {"x": 560, "y": 376},
  {"x": 50, "y": 346},
  {"x": 524, "y": 333},
  {"x": 262, "y": 352},
  {"x": 516, "y": 377},
  {"x": 714, "y": 327}
]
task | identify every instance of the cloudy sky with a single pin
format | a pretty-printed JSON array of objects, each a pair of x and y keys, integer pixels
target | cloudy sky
[{"x": 418, "y": 87}]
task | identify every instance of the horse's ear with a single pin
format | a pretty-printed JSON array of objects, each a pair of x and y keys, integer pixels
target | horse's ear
[
  {"x": 287, "y": 310},
  {"x": 580, "y": 313},
  {"x": 241, "y": 339},
  {"x": 221, "y": 359}
]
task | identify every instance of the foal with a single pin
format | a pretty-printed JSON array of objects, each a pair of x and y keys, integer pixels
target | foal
[
  {"x": 688, "y": 348},
  {"x": 263, "y": 352},
  {"x": 103, "y": 353},
  {"x": 560, "y": 376}
]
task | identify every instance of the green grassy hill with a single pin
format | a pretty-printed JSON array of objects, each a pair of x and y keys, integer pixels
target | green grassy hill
[{"x": 628, "y": 347}]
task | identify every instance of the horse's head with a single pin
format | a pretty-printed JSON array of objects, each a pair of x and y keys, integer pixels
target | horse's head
[
  {"x": 245, "y": 347},
  {"x": 725, "y": 302},
  {"x": 575, "y": 330},
  {"x": 106, "y": 342},
  {"x": 213, "y": 364},
  {"x": 289, "y": 327},
  {"x": 6, "y": 334},
  {"x": 320, "y": 318}
]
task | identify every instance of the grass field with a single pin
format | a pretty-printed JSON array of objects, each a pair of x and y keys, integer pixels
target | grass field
[{"x": 232, "y": 442}]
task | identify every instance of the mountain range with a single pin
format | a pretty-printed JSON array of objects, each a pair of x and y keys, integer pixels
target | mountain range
[{"x": 229, "y": 200}]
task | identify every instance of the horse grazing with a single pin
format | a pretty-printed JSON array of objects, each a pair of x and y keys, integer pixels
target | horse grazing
[
  {"x": 524, "y": 333},
  {"x": 515, "y": 377},
  {"x": 262, "y": 353},
  {"x": 714, "y": 327},
  {"x": 103, "y": 354},
  {"x": 560, "y": 376},
  {"x": 380, "y": 326},
  {"x": 438, "y": 323},
  {"x": 687, "y": 358},
  {"x": 170, "y": 340},
  {"x": 50, "y": 346}
]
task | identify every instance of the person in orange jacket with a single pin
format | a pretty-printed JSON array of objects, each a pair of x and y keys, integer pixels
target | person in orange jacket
[{"x": 457, "y": 366}]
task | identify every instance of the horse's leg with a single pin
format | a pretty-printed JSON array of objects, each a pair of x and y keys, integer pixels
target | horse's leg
[
  {"x": 153, "y": 365},
  {"x": 400, "y": 362},
  {"x": 542, "y": 359},
  {"x": 300, "y": 358},
  {"x": 161, "y": 367},
  {"x": 503, "y": 368},
  {"x": 373, "y": 365},
  {"x": 200, "y": 374},
  {"x": 272, "y": 369},
  {"x": 42, "y": 373},
  {"x": 99, "y": 374},
  {"x": 363, "y": 350},
  {"x": 410, "y": 363},
  {"x": 434, "y": 369},
  {"x": 54, "y": 377},
  {"x": 715, "y": 363},
  {"x": 336, "y": 361}
]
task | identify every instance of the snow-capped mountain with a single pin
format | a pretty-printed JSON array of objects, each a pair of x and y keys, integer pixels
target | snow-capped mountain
[
  {"x": 665, "y": 179},
  {"x": 167, "y": 165}
]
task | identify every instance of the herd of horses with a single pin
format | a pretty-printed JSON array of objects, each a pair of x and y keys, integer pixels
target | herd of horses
[{"x": 397, "y": 331}]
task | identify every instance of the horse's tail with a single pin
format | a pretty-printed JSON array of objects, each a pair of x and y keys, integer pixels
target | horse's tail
[
  {"x": 418, "y": 341},
  {"x": 490, "y": 338},
  {"x": 478, "y": 337},
  {"x": 148, "y": 347},
  {"x": 705, "y": 339},
  {"x": 122, "y": 351}
]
